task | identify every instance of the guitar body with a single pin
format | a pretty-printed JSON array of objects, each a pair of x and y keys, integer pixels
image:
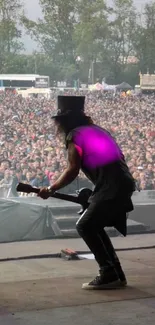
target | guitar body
[{"x": 81, "y": 197}]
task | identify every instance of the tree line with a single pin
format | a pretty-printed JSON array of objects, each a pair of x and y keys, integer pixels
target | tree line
[{"x": 79, "y": 40}]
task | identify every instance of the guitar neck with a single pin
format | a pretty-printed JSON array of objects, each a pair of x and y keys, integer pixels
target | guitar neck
[
  {"x": 61, "y": 196},
  {"x": 66, "y": 197}
]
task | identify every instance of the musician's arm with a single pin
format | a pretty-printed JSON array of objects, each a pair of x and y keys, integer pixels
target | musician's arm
[{"x": 71, "y": 172}]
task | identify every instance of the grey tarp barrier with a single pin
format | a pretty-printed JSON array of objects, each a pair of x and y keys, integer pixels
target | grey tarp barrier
[
  {"x": 20, "y": 221},
  {"x": 31, "y": 218}
]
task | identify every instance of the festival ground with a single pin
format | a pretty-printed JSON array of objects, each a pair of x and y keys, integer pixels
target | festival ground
[{"x": 48, "y": 291}]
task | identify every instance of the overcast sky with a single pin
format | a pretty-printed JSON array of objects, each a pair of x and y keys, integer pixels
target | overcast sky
[
  {"x": 33, "y": 8},
  {"x": 33, "y": 11}
]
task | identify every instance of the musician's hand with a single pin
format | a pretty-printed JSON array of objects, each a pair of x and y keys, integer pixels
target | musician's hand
[{"x": 44, "y": 193}]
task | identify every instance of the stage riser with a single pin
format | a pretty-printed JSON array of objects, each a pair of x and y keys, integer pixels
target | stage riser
[{"x": 21, "y": 221}]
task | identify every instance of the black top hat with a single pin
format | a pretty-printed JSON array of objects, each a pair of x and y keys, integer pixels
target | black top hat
[{"x": 68, "y": 104}]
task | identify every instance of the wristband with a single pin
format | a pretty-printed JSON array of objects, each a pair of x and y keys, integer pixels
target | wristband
[{"x": 50, "y": 190}]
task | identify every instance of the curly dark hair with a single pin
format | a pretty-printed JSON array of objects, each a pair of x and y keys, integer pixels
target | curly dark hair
[{"x": 71, "y": 120}]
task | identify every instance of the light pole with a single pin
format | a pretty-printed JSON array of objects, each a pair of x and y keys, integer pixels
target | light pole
[
  {"x": 92, "y": 72},
  {"x": 78, "y": 60},
  {"x": 91, "y": 77}
]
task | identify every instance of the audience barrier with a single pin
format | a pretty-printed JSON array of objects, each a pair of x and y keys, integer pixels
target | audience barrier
[{"x": 31, "y": 218}]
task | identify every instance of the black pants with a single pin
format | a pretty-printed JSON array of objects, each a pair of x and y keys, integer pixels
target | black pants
[{"x": 90, "y": 227}]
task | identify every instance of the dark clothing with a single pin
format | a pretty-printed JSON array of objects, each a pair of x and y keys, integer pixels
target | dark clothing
[
  {"x": 91, "y": 228},
  {"x": 103, "y": 163}
]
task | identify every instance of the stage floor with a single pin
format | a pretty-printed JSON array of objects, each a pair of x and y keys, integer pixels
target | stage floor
[{"x": 48, "y": 291}]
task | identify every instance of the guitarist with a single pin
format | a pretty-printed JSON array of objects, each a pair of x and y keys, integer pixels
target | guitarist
[{"x": 94, "y": 151}]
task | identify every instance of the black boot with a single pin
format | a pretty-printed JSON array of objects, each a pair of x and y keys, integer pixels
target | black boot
[
  {"x": 121, "y": 274},
  {"x": 113, "y": 257},
  {"x": 107, "y": 279}
]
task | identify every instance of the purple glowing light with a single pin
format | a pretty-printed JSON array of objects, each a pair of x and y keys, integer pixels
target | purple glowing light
[{"x": 98, "y": 147}]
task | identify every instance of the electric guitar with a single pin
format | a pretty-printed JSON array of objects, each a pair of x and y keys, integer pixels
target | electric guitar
[{"x": 81, "y": 197}]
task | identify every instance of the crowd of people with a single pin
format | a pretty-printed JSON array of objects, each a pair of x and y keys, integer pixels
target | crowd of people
[{"x": 31, "y": 151}]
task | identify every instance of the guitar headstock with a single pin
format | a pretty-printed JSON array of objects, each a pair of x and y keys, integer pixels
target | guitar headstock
[{"x": 26, "y": 188}]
